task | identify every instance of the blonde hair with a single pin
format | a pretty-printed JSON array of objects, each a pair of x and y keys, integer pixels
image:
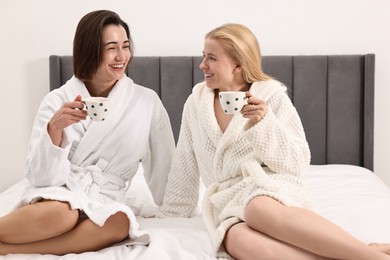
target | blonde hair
[{"x": 242, "y": 46}]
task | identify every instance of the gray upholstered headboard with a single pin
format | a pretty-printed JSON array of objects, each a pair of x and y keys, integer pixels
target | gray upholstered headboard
[{"x": 334, "y": 96}]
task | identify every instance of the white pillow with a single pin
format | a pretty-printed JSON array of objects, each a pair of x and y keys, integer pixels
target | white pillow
[{"x": 139, "y": 198}]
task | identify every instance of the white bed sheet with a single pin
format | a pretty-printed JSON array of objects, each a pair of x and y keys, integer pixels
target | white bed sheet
[{"x": 352, "y": 197}]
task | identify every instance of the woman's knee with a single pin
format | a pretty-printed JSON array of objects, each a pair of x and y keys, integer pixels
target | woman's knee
[
  {"x": 262, "y": 211},
  {"x": 242, "y": 242},
  {"x": 57, "y": 215},
  {"x": 234, "y": 242},
  {"x": 117, "y": 227}
]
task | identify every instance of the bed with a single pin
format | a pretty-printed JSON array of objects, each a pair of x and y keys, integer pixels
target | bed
[{"x": 334, "y": 95}]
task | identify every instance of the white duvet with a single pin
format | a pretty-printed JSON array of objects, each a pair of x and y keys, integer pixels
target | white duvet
[{"x": 352, "y": 197}]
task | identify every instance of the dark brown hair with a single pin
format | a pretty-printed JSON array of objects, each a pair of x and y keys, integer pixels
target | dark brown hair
[{"x": 88, "y": 45}]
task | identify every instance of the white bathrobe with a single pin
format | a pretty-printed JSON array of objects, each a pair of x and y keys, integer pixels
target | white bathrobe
[
  {"x": 97, "y": 160},
  {"x": 239, "y": 164}
]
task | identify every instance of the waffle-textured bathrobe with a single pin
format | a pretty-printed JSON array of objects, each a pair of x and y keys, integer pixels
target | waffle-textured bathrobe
[
  {"x": 239, "y": 164},
  {"x": 97, "y": 160}
]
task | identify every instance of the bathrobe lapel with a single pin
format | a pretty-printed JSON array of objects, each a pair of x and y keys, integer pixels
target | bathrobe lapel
[
  {"x": 204, "y": 102},
  {"x": 97, "y": 132},
  {"x": 262, "y": 90}
]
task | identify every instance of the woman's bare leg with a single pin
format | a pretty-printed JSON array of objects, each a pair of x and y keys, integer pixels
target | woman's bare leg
[
  {"x": 243, "y": 243},
  {"x": 307, "y": 230},
  {"x": 384, "y": 248},
  {"x": 37, "y": 221},
  {"x": 86, "y": 236}
]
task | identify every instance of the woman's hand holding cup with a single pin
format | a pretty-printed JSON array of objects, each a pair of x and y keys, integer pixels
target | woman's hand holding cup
[
  {"x": 69, "y": 113},
  {"x": 234, "y": 102},
  {"x": 255, "y": 110}
]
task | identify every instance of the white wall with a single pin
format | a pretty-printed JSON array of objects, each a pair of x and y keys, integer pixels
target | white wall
[{"x": 32, "y": 30}]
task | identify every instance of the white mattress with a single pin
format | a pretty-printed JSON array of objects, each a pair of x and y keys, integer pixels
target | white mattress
[{"x": 352, "y": 197}]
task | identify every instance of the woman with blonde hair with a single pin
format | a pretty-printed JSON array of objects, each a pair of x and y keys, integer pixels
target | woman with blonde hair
[{"x": 255, "y": 206}]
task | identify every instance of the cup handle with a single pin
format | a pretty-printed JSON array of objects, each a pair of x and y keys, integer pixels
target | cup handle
[{"x": 84, "y": 107}]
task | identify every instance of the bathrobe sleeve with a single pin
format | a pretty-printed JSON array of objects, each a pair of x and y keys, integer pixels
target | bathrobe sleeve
[
  {"x": 157, "y": 162},
  {"x": 279, "y": 139},
  {"x": 46, "y": 163},
  {"x": 182, "y": 192}
]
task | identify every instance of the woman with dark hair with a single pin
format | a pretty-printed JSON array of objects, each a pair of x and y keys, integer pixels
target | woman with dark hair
[{"x": 78, "y": 168}]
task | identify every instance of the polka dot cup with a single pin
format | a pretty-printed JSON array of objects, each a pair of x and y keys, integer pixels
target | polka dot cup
[
  {"x": 232, "y": 101},
  {"x": 97, "y": 108}
]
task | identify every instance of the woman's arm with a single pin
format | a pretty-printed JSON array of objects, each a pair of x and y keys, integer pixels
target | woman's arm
[
  {"x": 279, "y": 138},
  {"x": 68, "y": 114},
  {"x": 47, "y": 159},
  {"x": 157, "y": 162},
  {"x": 182, "y": 193}
]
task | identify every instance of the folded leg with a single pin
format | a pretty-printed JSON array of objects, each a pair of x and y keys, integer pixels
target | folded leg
[
  {"x": 37, "y": 221},
  {"x": 243, "y": 243},
  {"x": 304, "y": 229},
  {"x": 86, "y": 236}
]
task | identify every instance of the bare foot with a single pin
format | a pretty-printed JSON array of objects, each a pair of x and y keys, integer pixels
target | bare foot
[{"x": 384, "y": 248}]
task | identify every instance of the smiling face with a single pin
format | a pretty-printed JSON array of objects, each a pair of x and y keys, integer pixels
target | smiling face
[
  {"x": 115, "y": 55},
  {"x": 220, "y": 71}
]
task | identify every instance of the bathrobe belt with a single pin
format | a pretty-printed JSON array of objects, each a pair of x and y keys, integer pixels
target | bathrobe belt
[{"x": 94, "y": 181}]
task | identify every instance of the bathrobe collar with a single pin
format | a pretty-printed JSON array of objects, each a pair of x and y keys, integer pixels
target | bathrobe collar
[{"x": 119, "y": 96}]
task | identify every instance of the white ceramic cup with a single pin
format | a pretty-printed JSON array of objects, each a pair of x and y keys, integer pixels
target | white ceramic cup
[
  {"x": 232, "y": 101},
  {"x": 97, "y": 107}
]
